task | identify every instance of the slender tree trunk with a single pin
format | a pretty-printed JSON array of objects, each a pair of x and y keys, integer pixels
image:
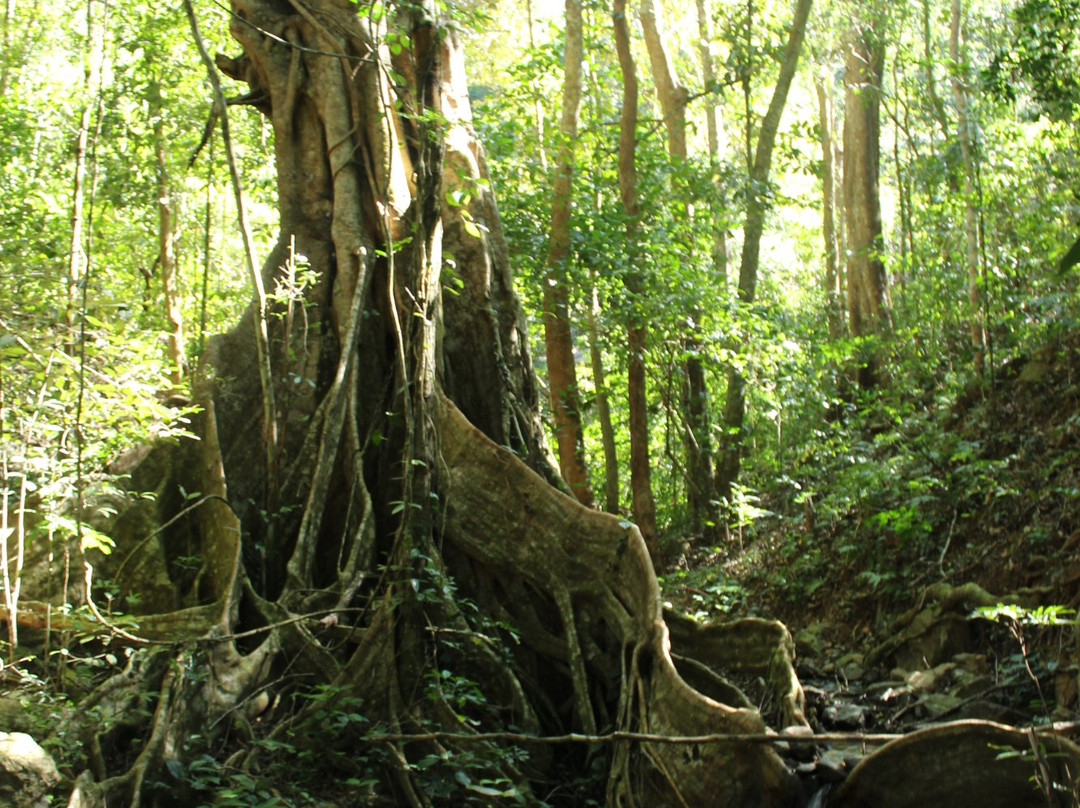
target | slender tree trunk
[
  {"x": 700, "y": 482},
  {"x": 538, "y": 109},
  {"x": 644, "y": 507},
  {"x": 6, "y": 60},
  {"x": 717, "y": 215},
  {"x": 834, "y": 307},
  {"x": 76, "y": 264},
  {"x": 671, "y": 94},
  {"x": 757, "y": 206},
  {"x": 937, "y": 109},
  {"x": 558, "y": 336},
  {"x": 903, "y": 193},
  {"x": 868, "y": 308},
  {"x": 603, "y": 408},
  {"x": 167, "y": 248},
  {"x": 965, "y": 131}
]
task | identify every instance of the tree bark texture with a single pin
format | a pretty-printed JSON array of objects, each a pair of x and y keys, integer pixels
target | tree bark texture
[
  {"x": 643, "y": 504},
  {"x": 558, "y": 335},
  {"x": 416, "y": 538},
  {"x": 867, "y": 285}
]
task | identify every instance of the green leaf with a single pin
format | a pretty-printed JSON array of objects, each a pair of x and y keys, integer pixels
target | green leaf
[{"x": 489, "y": 792}]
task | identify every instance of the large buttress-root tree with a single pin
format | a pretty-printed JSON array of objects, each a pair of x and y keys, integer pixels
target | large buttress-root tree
[{"x": 407, "y": 538}]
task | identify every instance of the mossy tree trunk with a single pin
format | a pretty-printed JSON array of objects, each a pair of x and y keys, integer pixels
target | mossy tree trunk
[{"x": 414, "y": 557}]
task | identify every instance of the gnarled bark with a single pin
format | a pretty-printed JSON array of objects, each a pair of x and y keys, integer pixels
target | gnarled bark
[{"x": 413, "y": 530}]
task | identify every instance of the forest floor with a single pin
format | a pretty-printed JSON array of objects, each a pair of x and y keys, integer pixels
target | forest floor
[{"x": 888, "y": 606}]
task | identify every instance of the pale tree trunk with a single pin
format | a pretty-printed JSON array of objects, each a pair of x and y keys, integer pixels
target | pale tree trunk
[
  {"x": 937, "y": 109},
  {"x": 757, "y": 207},
  {"x": 558, "y": 336},
  {"x": 833, "y": 306},
  {"x": 965, "y": 132},
  {"x": 867, "y": 286},
  {"x": 673, "y": 96},
  {"x": 166, "y": 260},
  {"x": 538, "y": 109},
  {"x": 414, "y": 547},
  {"x": 603, "y": 408},
  {"x": 77, "y": 260},
  {"x": 903, "y": 179},
  {"x": 642, "y": 502},
  {"x": 6, "y": 66},
  {"x": 719, "y": 253}
]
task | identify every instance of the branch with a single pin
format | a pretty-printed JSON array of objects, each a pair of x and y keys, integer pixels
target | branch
[
  {"x": 1060, "y": 728},
  {"x": 641, "y": 737}
]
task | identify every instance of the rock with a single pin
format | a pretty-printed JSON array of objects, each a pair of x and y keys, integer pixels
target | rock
[
  {"x": 887, "y": 690},
  {"x": 803, "y": 750},
  {"x": 975, "y": 664},
  {"x": 927, "y": 681},
  {"x": 851, "y": 665},
  {"x": 13, "y": 716},
  {"x": 27, "y": 773},
  {"x": 831, "y": 767},
  {"x": 845, "y": 716},
  {"x": 936, "y": 704},
  {"x": 968, "y": 686},
  {"x": 808, "y": 642}
]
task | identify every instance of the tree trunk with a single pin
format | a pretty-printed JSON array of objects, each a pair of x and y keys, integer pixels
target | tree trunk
[
  {"x": 965, "y": 132},
  {"x": 558, "y": 337},
  {"x": 757, "y": 206},
  {"x": 719, "y": 252},
  {"x": 603, "y": 409},
  {"x": 413, "y": 550},
  {"x": 643, "y": 505},
  {"x": 833, "y": 307},
  {"x": 167, "y": 247},
  {"x": 868, "y": 308},
  {"x": 937, "y": 109},
  {"x": 6, "y": 64},
  {"x": 673, "y": 96},
  {"x": 76, "y": 264}
]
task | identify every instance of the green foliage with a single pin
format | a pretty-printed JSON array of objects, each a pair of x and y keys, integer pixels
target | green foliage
[
  {"x": 1042, "y": 57},
  {"x": 705, "y": 593}
]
